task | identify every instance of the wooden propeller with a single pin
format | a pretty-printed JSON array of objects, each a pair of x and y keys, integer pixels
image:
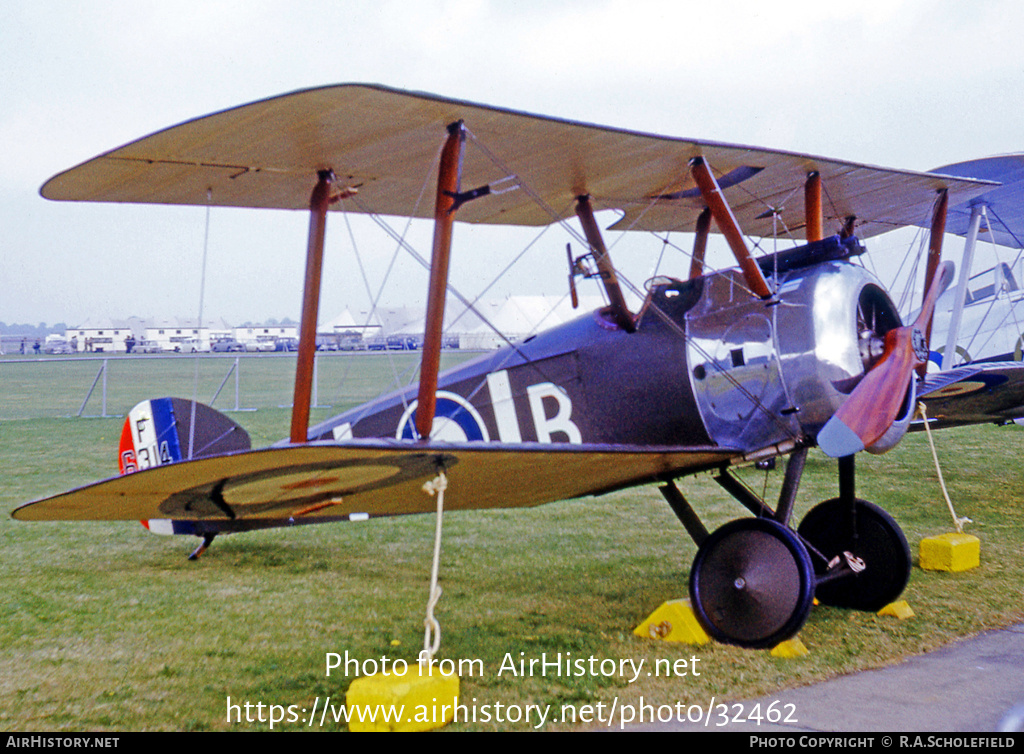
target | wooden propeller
[{"x": 874, "y": 404}]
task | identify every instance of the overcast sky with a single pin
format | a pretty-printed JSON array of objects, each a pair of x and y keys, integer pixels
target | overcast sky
[{"x": 910, "y": 84}]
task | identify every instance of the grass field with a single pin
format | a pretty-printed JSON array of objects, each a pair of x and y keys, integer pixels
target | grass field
[{"x": 107, "y": 627}]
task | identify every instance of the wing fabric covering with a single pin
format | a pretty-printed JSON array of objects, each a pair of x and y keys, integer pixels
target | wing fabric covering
[
  {"x": 376, "y": 478},
  {"x": 384, "y": 143},
  {"x": 1004, "y": 203},
  {"x": 981, "y": 393}
]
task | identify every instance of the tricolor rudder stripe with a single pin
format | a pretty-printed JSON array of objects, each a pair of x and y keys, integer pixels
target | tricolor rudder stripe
[{"x": 149, "y": 437}]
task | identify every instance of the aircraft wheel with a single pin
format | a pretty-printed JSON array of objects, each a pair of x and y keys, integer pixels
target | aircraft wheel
[
  {"x": 869, "y": 534},
  {"x": 752, "y": 583}
]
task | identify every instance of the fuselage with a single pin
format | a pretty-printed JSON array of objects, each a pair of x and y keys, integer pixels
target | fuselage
[{"x": 708, "y": 364}]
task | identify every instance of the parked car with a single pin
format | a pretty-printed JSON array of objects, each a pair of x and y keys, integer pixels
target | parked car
[
  {"x": 147, "y": 346},
  {"x": 260, "y": 346},
  {"x": 287, "y": 344},
  {"x": 226, "y": 346},
  {"x": 352, "y": 343},
  {"x": 191, "y": 345},
  {"x": 401, "y": 343},
  {"x": 56, "y": 344}
]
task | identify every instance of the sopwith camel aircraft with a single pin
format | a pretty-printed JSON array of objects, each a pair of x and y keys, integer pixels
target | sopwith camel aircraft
[{"x": 714, "y": 370}]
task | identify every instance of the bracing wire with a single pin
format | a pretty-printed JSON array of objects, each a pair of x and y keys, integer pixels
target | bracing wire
[
  {"x": 374, "y": 299},
  {"x": 560, "y": 218},
  {"x": 199, "y": 323}
]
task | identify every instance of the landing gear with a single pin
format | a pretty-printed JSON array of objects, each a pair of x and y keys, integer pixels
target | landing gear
[
  {"x": 752, "y": 583},
  {"x": 866, "y": 560},
  {"x": 754, "y": 580}
]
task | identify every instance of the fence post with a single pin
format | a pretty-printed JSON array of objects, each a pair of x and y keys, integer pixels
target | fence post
[
  {"x": 236, "y": 369},
  {"x": 102, "y": 373}
]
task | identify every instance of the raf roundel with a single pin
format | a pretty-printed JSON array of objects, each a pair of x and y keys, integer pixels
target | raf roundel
[{"x": 455, "y": 420}]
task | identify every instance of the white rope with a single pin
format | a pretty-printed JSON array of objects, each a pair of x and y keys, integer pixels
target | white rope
[
  {"x": 432, "y": 634},
  {"x": 958, "y": 522}
]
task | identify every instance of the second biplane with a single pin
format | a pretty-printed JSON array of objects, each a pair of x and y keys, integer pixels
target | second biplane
[
  {"x": 714, "y": 370},
  {"x": 979, "y": 319}
]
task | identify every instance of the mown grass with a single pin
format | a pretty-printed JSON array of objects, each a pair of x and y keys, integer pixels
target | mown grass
[{"x": 106, "y": 627}]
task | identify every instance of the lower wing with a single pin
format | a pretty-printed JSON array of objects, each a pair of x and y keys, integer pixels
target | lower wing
[
  {"x": 979, "y": 393},
  {"x": 361, "y": 478}
]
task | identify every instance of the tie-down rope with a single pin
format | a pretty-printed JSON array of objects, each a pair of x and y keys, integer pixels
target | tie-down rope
[
  {"x": 958, "y": 522},
  {"x": 432, "y": 635}
]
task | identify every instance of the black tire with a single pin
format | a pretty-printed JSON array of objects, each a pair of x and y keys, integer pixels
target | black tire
[
  {"x": 752, "y": 583},
  {"x": 869, "y": 533}
]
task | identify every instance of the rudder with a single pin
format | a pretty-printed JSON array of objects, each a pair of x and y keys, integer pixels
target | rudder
[{"x": 167, "y": 430}]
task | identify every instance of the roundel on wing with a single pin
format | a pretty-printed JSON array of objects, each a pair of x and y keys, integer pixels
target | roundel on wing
[
  {"x": 455, "y": 420},
  {"x": 975, "y": 384}
]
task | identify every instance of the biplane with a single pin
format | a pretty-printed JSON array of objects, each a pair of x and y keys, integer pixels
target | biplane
[
  {"x": 980, "y": 319},
  {"x": 712, "y": 371}
]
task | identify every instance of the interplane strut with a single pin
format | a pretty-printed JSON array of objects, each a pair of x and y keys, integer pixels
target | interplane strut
[
  {"x": 727, "y": 225},
  {"x": 444, "y": 220},
  {"x": 319, "y": 201}
]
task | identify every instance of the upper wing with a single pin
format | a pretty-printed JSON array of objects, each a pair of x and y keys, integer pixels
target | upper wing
[
  {"x": 1004, "y": 203},
  {"x": 385, "y": 143},
  {"x": 980, "y": 393},
  {"x": 373, "y": 477}
]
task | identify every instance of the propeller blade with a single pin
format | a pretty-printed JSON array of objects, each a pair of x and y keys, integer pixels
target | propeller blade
[{"x": 874, "y": 404}]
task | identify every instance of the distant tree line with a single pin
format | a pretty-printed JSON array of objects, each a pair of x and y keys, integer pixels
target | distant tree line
[
  {"x": 32, "y": 331},
  {"x": 42, "y": 329}
]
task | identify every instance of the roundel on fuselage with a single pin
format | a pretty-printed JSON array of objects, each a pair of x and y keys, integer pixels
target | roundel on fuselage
[{"x": 455, "y": 420}]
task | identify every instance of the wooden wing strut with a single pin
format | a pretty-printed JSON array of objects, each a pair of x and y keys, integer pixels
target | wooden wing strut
[
  {"x": 700, "y": 243},
  {"x": 444, "y": 220},
  {"x": 726, "y": 222},
  {"x": 620, "y": 312},
  {"x": 319, "y": 201},
  {"x": 812, "y": 207}
]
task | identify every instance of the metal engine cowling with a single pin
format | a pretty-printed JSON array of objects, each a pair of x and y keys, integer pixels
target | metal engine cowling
[{"x": 766, "y": 371}]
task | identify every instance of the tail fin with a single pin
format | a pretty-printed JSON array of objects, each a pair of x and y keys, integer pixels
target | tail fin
[{"x": 168, "y": 430}]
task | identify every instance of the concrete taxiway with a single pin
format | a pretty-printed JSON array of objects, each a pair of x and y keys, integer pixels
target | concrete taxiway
[{"x": 972, "y": 685}]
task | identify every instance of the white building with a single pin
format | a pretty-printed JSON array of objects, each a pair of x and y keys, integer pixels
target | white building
[
  {"x": 105, "y": 336},
  {"x": 260, "y": 337},
  {"x": 350, "y": 331},
  {"x": 516, "y": 318},
  {"x": 185, "y": 335}
]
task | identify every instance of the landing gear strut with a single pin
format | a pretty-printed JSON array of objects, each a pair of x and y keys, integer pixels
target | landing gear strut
[{"x": 754, "y": 580}]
